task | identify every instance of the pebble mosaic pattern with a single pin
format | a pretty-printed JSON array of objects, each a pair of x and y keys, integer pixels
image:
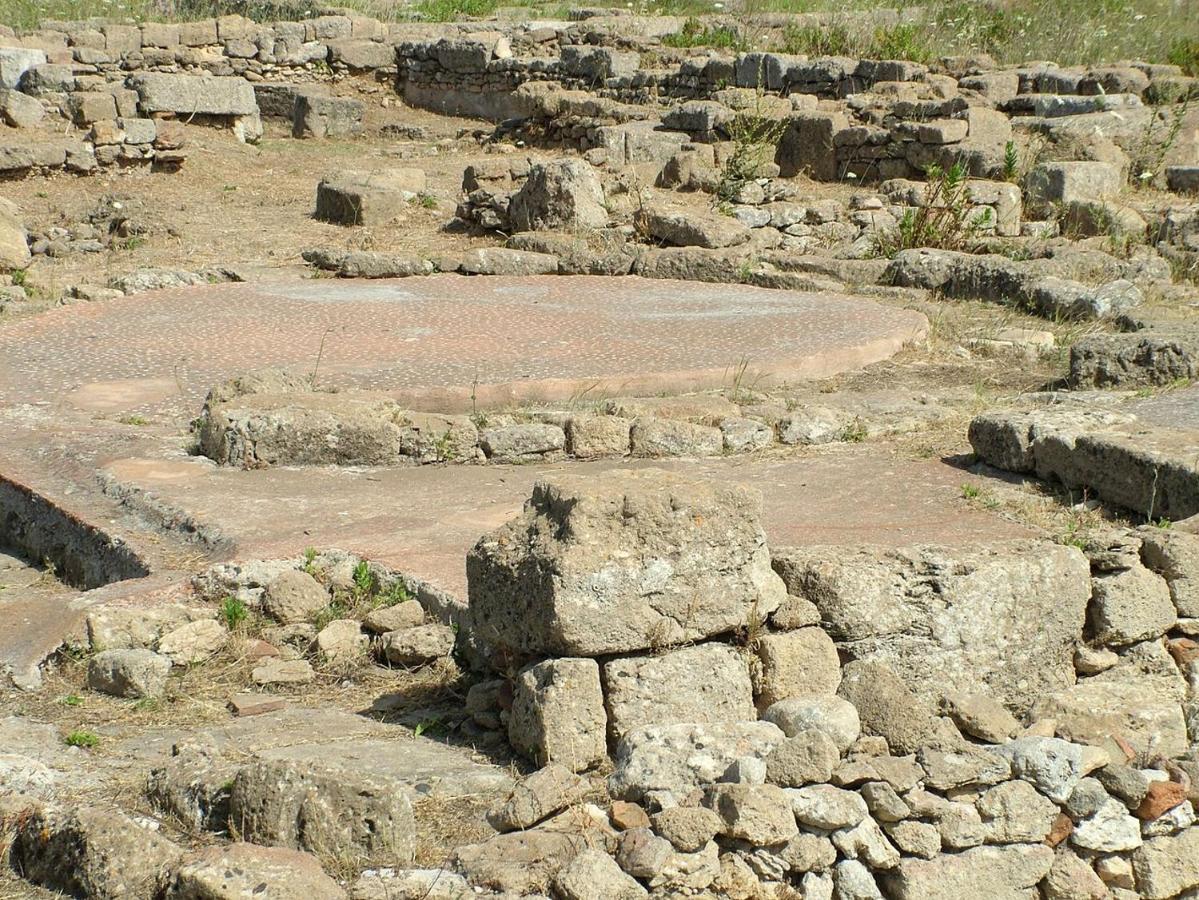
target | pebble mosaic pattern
[{"x": 441, "y": 332}]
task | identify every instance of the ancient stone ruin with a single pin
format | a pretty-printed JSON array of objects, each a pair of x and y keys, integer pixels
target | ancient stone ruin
[{"x": 451, "y": 450}]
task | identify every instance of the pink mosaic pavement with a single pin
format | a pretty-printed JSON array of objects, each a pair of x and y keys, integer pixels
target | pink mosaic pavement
[{"x": 437, "y": 341}]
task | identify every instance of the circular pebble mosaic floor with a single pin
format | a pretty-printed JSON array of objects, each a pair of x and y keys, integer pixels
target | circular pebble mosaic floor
[{"x": 443, "y": 341}]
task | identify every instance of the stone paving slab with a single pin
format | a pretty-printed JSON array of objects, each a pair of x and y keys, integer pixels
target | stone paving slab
[
  {"x": 422, "y": 521},
  {"x": 441, "y": 342},
  {"x": 1137, "y": 454},
  {"x": 1177, "y": 409}
]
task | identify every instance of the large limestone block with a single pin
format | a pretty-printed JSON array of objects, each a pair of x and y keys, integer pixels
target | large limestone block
[
  {"x": 560, "y": 194},
  {"x": 1136, "y": 710},
  {"x": 1000, "y": 620},
  {"x": 303, "y": 429},
  {"x": 705, "y": 683},
  {"x": 331, "y": 810},
  {"x": 1167, "y": 866},
  {"x": 621, "y": 562},
  {"x": 1175, "y": 556},
  {"x": 14, "y": 244},
  {"x": 91, "y": 851},
  {"x": 244, "y": 870},
  {"x": 16, "y": 61},
  {"x": 367, "y": 198},
  {"x": 187, "y": 95}
]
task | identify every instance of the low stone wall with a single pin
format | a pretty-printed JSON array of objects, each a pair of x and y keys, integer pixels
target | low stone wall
[{"x": 743, "y": 742}]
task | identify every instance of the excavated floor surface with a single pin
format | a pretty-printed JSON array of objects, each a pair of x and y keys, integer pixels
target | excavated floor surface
[{"x": 442, "y": 342}]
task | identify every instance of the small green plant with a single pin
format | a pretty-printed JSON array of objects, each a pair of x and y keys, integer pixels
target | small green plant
[
  {"x": 19, "y": 277},
  {"x": 971, "y": 492},
  {"x": 424, "y": 201},
  {"x": 854, "y": 432},
  {"x": 233, "y": 612},
  {"x": 429, "y": 726},
  {"x": 1157, "y": 139},
  {"x": 453, "y": 10},
  {"x": 365, "y": 581},
  {"x": 82, "y": 738},
  {"x": 338, "y": 609},
  {"x": 942, "y": 220},
  {"x": 132, "y": 243},
  {"x": 147, "y": 704},
  {"x": 901, "y": 42},
  {"x": 816, "y": 40},
  {"x": 1011, "y": 162},
  {"x": 396, "y": 593},
  {"x": 695, "y": 33},
  {"x": 133, "y": 420},
  {"x": 444, "y": 447},
  {"x": 1163, "y": 524},
  {"x": 310, "y": 554},
  {"x": 71, "y": 700},
  {"x": 1184, "y": 52},
  {"x": 755, "y": 136}
]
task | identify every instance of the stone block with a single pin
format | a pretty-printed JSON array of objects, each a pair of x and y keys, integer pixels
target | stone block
[
  {"x": 705, "y": 683},
  {"x": 1060, "y": 183},
  {"x": 15, "y": 62},
  {"x": 558, "y": 714},
  {"x": 186, "y": 95},
  {"x": 371, "y": 199},
  {"x": 323, "y": 116},
  {"x": 795, "y": 664},
  {"x": 664, "y": 560}
]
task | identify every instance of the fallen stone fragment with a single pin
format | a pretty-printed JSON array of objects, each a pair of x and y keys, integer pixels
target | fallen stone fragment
[
  {"x": 981, "y": 717},
  {"x": 417, "y": 646},
  {"x": 283, "y": 671},
  {"x": 293, "y": 597},
  {"x": 92, "y": 852},
  {"x": 545, "y": 792},
  {"x": 247, "y": 870},
  {"x": 594, "y": 875},
  {"x": 674, "y": 759},
  {"x": 128, "y": 673},
  {"x": 242, "y": 705}
]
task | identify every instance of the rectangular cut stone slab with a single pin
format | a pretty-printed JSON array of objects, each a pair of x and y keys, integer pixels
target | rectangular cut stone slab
[
  {"x": 1002, "y": 620},
  {"x": 997, "y": 873},
  {"x": 626, "y": 561},
  {"x": 186, "y": 94},
  {"x": 1140, "y": 465},
  {"x": 705, "y": 683}
]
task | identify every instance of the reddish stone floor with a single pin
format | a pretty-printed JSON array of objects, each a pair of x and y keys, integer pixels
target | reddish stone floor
[{"x": 441, "y": 342}]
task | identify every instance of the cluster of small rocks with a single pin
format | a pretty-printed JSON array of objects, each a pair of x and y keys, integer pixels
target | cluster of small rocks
[
  {"x": 299, "y": 602},
  {"x": 309, "y": 603}
]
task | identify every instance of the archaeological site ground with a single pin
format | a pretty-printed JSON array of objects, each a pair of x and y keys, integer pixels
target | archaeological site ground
[{"x": 676, "y": 449}]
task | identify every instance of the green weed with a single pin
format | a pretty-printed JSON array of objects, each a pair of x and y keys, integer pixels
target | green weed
[
  {"x": 696, "y": 34},
  {"x": 82, "y": 738},
  {"x": 232, "y": 612}
]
